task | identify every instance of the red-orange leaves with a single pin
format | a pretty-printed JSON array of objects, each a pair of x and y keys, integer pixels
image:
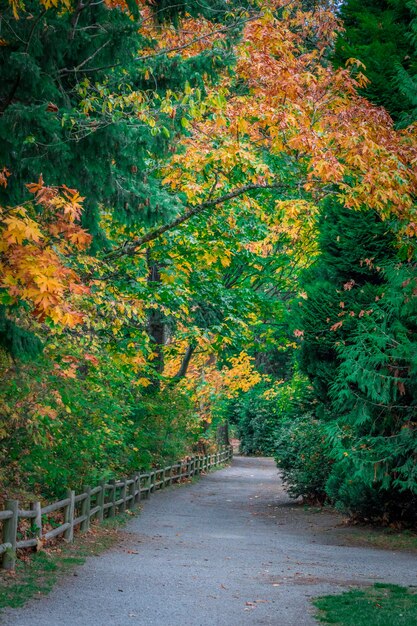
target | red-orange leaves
[
  {"x": 4, "y": 175},
  {"x": 32, "y": 249}
]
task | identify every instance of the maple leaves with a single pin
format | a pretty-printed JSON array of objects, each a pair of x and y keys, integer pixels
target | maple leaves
[
  {"x": 4, "y": 175},
  {"x": 302, "y": 110},
  {"x": 34, "y": 241},
  {"x": 208, "y": 380}
]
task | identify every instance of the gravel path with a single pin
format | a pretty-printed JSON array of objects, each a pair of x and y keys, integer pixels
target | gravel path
[{"x": 229, "y": 550}]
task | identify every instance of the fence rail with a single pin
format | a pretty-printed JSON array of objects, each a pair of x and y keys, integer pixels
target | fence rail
[{"x": 100, "y": 502}]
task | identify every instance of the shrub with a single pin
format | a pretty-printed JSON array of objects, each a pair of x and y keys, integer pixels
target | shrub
[{"x": 303, "y": 456}]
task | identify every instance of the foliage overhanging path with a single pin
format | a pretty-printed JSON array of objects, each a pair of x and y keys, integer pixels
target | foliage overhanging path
[{"x": 229, "y": 550}]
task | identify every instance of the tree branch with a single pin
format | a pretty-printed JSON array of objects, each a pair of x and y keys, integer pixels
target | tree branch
[
  {"x": 90, "y": 58},
  {"x": 223, "y": 29},
  {"x": 186, "y": 361},
  {"x": 131, "y": 247}
]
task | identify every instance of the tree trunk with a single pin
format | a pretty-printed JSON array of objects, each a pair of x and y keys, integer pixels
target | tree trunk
[
  {"x": 222, "y": 434},
  {"x": 186, "y": 360},
  {"x": 156, "y": 326}
]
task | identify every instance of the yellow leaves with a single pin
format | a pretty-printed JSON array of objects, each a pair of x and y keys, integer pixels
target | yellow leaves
[
  {"x": 240, "y": 376},
  {"x": 191, "y": 37},
  {"x": 21, "y": 228},
  {"x": 327, "y": 169},
  {"x": 217, "y": 253},
  {"x": 17, "y": 5},
  {"x": 356, "y": 62},
  {"x": 79, "y": 238},
  {"x": 143, "y": 382},
  {"x": 167, "y": 277},
  {"x": 273, "y": 391},
  {"x": 32, "y": 253},
  {"x": 73, "y": 208},
  {"x": 207, "y": 382}
]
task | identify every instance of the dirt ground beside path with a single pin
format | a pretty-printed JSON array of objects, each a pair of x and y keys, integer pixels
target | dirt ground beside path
[{"x": 231, "y": 549}]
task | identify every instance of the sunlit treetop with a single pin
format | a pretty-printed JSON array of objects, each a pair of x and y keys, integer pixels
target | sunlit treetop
[{"x": 286, "y": 101}]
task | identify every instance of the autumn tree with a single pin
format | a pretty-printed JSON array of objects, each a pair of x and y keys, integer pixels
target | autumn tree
[{"x": 206, "y": 141}]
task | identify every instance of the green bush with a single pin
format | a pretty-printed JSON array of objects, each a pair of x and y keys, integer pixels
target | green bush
[
  {"x": 58, "y": 431},
  {"x": 302, "y": 455},
  {"x": 257, "y": 418}
]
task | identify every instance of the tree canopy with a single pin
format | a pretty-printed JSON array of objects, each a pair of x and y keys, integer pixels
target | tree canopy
[{"x": 200, "y": 209}]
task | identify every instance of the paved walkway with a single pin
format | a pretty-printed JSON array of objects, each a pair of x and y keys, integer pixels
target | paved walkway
[{"x": 228, "y": 550}]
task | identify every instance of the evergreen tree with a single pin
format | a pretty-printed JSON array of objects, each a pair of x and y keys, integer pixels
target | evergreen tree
[
  {"x": 81, "y": 105},
  {"x": 382, "y": 35},
  {"x": 343, "y": 282},
  {"x": 359, "y": 323},
  {"x": 72, "y": 89}
]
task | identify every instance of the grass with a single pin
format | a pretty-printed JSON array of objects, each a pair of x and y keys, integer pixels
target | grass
[
  {"x": 36, "y": 575},
  {"x": 385, "y": 539},
  {"x": 380, "y": 605}
]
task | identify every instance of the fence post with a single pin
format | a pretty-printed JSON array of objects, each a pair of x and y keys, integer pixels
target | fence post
[
  {"x": 69, "y": 516},
  {"x": 36, "y": 522},
  {"x": 148, "y": 485},
  {"x": 137, "y": 489},
  {"x": 9, "y": 534},
  {"x": 101, "y": 498},
  {"x": 112, "y": 509},
  {"x": 132, "y": 488},
  {"x": 123, "y": 495},
  {"x": 85, "y": 509}
]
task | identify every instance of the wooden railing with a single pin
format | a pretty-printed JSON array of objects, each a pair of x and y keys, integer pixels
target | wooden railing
[{"x": 100, "y": 502}]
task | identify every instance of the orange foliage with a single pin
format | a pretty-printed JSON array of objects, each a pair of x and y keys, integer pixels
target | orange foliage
[
  {"x": 207, "y": 382},
  {"x": 301, "y": 108},
  {"x": 33, "y": 246}
]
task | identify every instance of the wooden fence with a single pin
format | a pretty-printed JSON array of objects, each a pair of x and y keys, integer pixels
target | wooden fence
[{"x": 100, "y": 502}]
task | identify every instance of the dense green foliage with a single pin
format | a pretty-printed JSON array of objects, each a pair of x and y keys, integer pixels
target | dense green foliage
[
  {"x": 256, "y": 417},
  {"x": 358, "y": 349},
  {"x": 79, "y": 105},
  {"x": 382, "y": 34},
  {"x": 301, "y": 450},
  {"x": 59, "y": 430}
]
